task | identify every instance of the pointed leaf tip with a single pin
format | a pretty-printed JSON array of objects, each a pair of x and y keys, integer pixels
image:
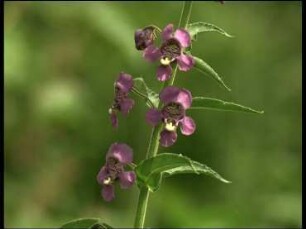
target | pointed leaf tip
[
  {"x": 217, "y": 104},
  {"x": 200, "y": 27}
]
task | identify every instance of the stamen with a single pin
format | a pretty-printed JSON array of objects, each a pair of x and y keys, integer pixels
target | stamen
[
  {"x": 170, "y": 126},
  {"x": 165, "y": 61},
  {"x": 107, "y": 181}
]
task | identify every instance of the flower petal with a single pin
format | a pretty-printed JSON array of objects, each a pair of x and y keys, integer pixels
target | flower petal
[
  {"x": 169, "y": 94},
  {"x": 152, "y": 53},
  {"x": 108, "y": 192},
  {"x": 185, "y": 62},
  {"x": 185, "y": 98},
  {"x": 188, "y": 126},
  {"x": 167, "y": 138},
  {"x": 127, "y": 179},
  {"x": 114, "y": 119},
  {"x": 138, "y": 37},
  {"x": 125, "y": 82},
  {"x": 183, "y": 37},
  {"x": 153, "y": 116},
  {"x": 102, "y": 175},
  {"x": 167, "y": 32},
  {"x": 126, "y": 105},
  {"x": 144, "y": 37},
  {"x": 122, "y": 152},
  {"x": 164, "y": 72}
]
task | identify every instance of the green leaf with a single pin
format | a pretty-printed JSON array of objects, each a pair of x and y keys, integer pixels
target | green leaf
[
  {"x": 151, "y": 171},
  {"x": 203, "y": 67},
  {"x": 91, "y": 223},
  {"x": 217, "y": 104},
  {"x": 101, "y": 226},
  {"x": 200, "y": 27},
  {"x": 141, "y": 89}
]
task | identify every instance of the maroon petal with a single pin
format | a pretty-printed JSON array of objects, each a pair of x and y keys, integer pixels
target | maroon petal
[
  {"x": 167, "y": 138},
  {"x": 169, "y": 94},
  {"x": 114, "y": 119},
  {"x": 164, "y": 72},
  {"x": 108, "y": 192},
  {"x": 184, "y": 97},
  {"x": 126, "y": 105},
  {"x": 152, "y": 53},
  {"x": 127, "y": 179},
  {"x": 144, "y": 37},
  {"x": 167, "y": 32},
  {"x": 102, "y": 175},
  {"x": 125, "y": 82},
  {"x": 122, "y": 152},
  {"x": 188, "y": 126},
  {"x": 183, "y": 37},
  {"x": 153, "y": 116},
  {"x": 185, "y": 62},
  {"x": 138, "y": 37}
]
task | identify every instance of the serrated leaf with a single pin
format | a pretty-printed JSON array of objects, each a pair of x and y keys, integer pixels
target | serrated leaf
[
  {"x": 203, "y": 67},
  {"x": 151, "y": 171},
  {"x": 217, "y": 104},
  {"x": 90, "y": 223},
  {"x": 200, "y": 27},
  {"x": 141, "y": 89}
]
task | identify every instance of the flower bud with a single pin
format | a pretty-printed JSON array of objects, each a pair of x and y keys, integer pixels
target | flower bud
[{"x": 144, "y": 37}]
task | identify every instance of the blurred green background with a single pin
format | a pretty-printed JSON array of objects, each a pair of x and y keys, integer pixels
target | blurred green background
[{"x": 61, "y": 60}]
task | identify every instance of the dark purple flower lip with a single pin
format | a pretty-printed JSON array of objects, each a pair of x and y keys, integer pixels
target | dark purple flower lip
[
  {"x": 170, "y": 49},
  {"x": 173, "y": 111}
]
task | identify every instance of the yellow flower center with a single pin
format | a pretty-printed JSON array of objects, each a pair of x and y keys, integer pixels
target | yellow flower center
[
  {"x": 165, "y": 61},
  {"x": 170, "y": 126},
  {"x": 107, "y": 181}
]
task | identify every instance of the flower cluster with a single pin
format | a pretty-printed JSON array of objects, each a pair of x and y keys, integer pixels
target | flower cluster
[
  {"x": 171, "y": 115},
  {"x": 176, "y": 101}
]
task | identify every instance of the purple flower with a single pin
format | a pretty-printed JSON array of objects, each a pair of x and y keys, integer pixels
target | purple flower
[
  {"x": 144, "y": 37},
  {"x": 173, "y": 114},
  {"x": 117, "y": 157},
  {"x": 122, "y": 103},
  {"x": 171, "y": 51}
]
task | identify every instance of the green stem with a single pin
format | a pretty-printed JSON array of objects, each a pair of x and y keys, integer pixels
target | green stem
[
  {"x": 154, "y": 139},
  {"x": 143, "y": 96},
  {"x": 141, "y": 208},
  {"x": 185, "y": 15},
  {"x": 171, "y": 81}
]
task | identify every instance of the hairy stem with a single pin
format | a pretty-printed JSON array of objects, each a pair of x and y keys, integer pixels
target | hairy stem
[{"x": 154, "y": 139}]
